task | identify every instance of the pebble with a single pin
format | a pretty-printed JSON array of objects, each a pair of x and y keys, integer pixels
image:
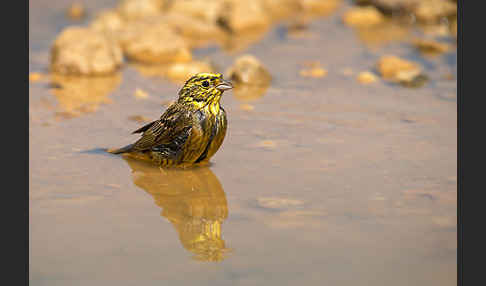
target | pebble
[
  {"x": 366, "y": 77},
  {"x": 363, "y": 17},
  {"x": 247, "y": 69},
  {"x": 430, "y": 46},
  {"x": 402, "y": 71},
  {"x": 76, "y": 11}
]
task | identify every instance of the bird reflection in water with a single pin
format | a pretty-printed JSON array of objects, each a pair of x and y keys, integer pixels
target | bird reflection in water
[{"x": 192, "y": 200}]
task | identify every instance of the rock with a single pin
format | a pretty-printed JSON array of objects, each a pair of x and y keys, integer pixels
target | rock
[
  {"x": 313, "y": 69},
  {"x": 279, "y": 9},
  {"x": 140, "y": 94},
  {"x": 140, "y": 9},
  {"x": 209, "y": 11},
  {"x": 398, "y": 70},
  {"x": 83, "y": 51},
  {"x": 412, "y": 80},
  {"x": 108, "y": 21},
  {"x": 320, "y": 7},
  {"x": 383, "y": 34},
  {"x": 183, "y": 71},
  {"x": 430, "y": 47},
  {"x": 431, "y": 11},
  {"x": 239, "y": 16},
  {"x": 314, "y": 72},
  {"x": 366, "y": 77},
  {"x": 76, "y": 11},
  {"x": 363, "y": 17},
  {"x": 194, "y": 30},
  {"x": 248, "y": 70},
  {"x": 435, "y": 30},
  {"x": 391, "y": 7},
  {"x": 154, "y": 41}
]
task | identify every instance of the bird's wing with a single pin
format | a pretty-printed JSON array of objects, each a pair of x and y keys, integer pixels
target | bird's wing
[
  {"x": 145, "y": 127},
  {"x": 173, "y": 127}
]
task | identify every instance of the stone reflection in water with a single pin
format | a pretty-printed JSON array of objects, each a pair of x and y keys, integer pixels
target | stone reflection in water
[
  {"x": 383, "y": 34},
  {"x": 245, "y": 92},
  {"x": 81, "y": 95},
  {"x": 194, "y": 202}
]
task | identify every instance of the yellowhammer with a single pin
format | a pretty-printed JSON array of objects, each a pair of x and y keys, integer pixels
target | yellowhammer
[{"x": 191, "y": 130}]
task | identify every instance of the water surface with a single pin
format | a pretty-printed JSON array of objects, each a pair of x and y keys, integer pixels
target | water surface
[{"x": 358, "y": 184}]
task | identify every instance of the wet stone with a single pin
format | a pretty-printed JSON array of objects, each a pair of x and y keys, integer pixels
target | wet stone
[
  {"x": 239, "y": 15},
  {"x": 363, "y": 17},
  {"x": 398, "y": 70},
  {"x": 313, "y": 70},
  {"x": 76, "y": 11},
  {"x": 249, "y": 70},
  {"x": 83, "y": 51},
  {"x": 139, "y": 9},
  {"x": 385, "y": 33},
  {"x": 108, "y": 21},
  {"x": 366, "y": 77},
  {"x": 195, "y": 30},
  {"x": 431, "y": 11},
  {"x": 319, "y": 7},
  {"x": 430, "y": 47},
  {"x": 410, "y": 80},
  {"x": 279, "y": 9},
  {"x": 153, "y": 42},
  {"x": 391, "y": 7},
  {"x": 209, "y": 11}
]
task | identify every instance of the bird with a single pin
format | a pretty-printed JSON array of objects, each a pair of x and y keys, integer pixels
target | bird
[{"x": 191, "y": 129}]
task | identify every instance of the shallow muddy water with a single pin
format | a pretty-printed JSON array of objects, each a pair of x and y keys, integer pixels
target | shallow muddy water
[{"x": 324, "y": 182}]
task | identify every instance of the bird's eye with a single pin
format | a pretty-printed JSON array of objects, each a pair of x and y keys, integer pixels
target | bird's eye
[{"x": 205, "y": 83}]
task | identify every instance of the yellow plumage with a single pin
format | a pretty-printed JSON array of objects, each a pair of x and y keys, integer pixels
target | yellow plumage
[{"x": 191, "y": 130}]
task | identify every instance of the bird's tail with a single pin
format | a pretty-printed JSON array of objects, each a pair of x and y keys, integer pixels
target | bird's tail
[{"x": 125, "y": 149}]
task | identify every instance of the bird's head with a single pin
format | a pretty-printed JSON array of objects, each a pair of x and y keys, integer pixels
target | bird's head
[{"x": 203, "y": 89}]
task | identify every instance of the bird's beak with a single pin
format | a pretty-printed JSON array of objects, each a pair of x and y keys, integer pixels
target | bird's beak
[{"x": 224, "y": 85}]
